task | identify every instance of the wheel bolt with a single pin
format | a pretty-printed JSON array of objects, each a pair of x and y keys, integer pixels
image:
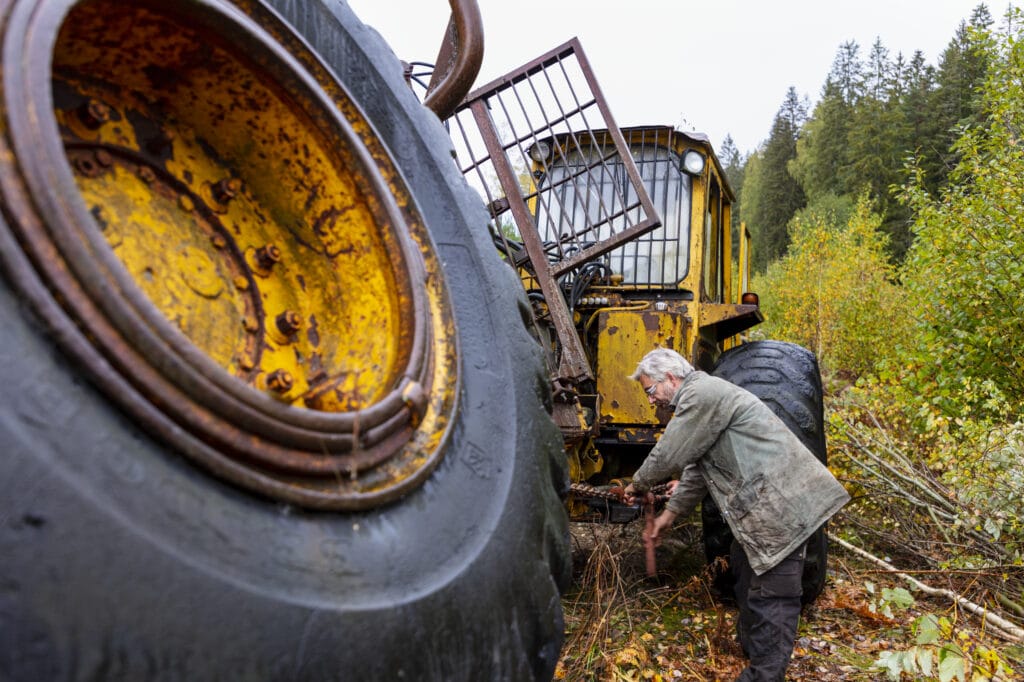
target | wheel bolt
[
  {"x": 280, "y": 381},
  {"x": 87, "y": 166},
  {"x": 226, "y": 190},
  {"x": 93, "y": 113},
  {"x": 268, "y": 256},
  {"x": 288, "y": 322}
]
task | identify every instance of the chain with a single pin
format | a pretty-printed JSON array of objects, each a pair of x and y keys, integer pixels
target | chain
[
  {"x": 615, "y": 493},
  {"x": 649, "y": 504}
]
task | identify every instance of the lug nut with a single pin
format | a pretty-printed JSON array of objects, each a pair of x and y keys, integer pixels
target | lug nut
[
  {"x": 226, "y": 190},
  {"x": 146, "y": 174},
  {"x": 268, "y": 256},
  {"x": 87, "y": 166},
  {"x": 280, "y": 381},
  {"x": 93, "y": 113},
  {"x": 288, "y": 322}
]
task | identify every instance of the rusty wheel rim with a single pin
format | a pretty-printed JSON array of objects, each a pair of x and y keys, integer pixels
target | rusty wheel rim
[{"x": 240, "y": 269}]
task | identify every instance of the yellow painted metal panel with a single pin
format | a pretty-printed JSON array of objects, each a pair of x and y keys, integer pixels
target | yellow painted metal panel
[{"x": 624, "y": 336}]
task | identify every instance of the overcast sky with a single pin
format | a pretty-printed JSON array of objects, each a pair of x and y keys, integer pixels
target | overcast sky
[{"x": 718, "y": 66}]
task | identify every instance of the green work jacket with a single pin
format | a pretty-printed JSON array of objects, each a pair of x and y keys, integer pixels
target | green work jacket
[{"x": 722, "y": 440}]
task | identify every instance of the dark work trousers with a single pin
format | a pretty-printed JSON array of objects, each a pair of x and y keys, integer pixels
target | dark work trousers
[{"x": 769, "y": 612}]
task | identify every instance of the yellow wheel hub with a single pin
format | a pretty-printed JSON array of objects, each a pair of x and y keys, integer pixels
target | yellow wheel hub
[{"x": 219, "y": 221}]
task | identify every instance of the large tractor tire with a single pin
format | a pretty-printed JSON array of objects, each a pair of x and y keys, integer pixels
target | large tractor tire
[
  {"x": 786, "y": 378},
  {"x": 328, "y": 457}
]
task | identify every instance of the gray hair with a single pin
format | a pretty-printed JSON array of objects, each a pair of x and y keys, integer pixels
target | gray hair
[{"x": 661, "y": 362}]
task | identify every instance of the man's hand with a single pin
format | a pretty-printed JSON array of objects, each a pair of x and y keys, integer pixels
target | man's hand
[
  {"x": 631, "y": 495},
  {"x": 662, "y": 521}
]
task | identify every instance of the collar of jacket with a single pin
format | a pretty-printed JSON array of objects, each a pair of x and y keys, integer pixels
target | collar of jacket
[{"x": 675, "y": 398}]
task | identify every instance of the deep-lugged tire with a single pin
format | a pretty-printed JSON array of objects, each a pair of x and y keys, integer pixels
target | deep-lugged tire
[
  {"x": 787, "y": 379},
  {"x": 123, "y": 560}
]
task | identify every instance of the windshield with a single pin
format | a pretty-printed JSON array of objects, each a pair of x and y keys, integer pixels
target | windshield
[{"x": 580, "y": 202}]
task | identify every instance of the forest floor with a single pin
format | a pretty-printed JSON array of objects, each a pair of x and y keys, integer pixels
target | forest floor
[{"x": 622, "y": 625}]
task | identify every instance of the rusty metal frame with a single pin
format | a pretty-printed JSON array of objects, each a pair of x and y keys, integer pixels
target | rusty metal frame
[
  {"x": 527, "y": 89},
  {"x": 458, "y": 60}
]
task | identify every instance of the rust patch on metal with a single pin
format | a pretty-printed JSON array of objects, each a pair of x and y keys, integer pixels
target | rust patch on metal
[{"x": 652, "y": 321}]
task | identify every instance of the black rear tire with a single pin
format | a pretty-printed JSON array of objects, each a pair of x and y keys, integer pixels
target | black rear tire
[
  {"x": 123, "y": 560},
  {"x": 786, "y": 378}
]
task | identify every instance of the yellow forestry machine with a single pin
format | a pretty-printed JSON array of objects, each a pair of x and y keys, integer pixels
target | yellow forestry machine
[{"x": 623, "y": 241}]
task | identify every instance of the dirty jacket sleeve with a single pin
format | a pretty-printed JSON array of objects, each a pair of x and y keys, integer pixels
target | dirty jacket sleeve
[{"x": 689, "y": 493}]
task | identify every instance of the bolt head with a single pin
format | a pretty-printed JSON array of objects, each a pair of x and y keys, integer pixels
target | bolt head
[
  {"x": 280, "y": 381},
  {"x": 94, "y": 113},
  {"x": 288, "y": 322}
]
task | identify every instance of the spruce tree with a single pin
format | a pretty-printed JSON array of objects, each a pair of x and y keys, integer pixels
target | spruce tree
[
  {"x": 781, "y": 194},
  {"x": 956, "y": 104},
  {"x": 732, "y": 164},
  {"x": 823, "y": 162}
]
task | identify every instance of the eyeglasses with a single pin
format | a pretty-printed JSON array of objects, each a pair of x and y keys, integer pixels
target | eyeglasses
[{"x": 652, "y": 388}]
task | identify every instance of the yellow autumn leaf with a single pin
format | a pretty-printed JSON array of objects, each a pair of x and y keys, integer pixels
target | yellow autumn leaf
[{"x": 628, "y": 656}]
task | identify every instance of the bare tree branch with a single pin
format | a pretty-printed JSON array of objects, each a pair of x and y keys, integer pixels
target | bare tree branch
[{"x": 996, "y": 624}]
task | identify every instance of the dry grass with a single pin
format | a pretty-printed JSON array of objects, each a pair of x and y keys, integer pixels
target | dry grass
[{"x": 621, "y": 625}]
